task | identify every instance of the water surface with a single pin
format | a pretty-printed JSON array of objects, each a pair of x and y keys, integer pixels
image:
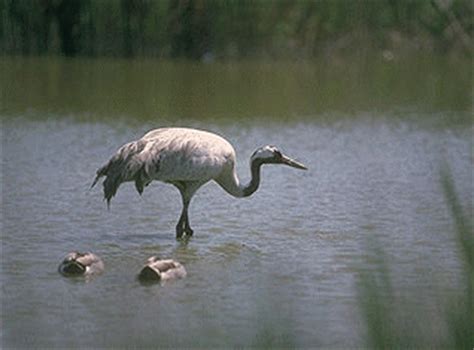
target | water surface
[{"x": 277, "y": 269}]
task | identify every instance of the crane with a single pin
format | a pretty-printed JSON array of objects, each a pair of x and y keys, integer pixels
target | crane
[{"x": 186, "y": 158}]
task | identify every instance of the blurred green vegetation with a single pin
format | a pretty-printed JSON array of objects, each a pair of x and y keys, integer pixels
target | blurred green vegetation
[
  {"x": 460, "y": 317},
  {"x": 213, "y": 29},
  {"x": 385, "y": 317}
]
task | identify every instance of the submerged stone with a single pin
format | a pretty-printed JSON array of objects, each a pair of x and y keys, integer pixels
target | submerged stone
[
  {"x": 81, "y": 264},
  {"x": 161, "y": 270}
]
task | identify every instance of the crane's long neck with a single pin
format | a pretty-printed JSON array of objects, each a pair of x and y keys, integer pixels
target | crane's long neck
[
  {"x": 232, "y": 185},
  {"x": 254, "y": 182}
]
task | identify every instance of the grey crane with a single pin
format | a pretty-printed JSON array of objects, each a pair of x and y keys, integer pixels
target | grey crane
[{"x": 186, "y": 158}]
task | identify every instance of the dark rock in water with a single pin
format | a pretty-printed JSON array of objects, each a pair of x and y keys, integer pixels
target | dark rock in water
[
  {"x": 81, "y": 264},
  {"x": 161, "y": 270}
]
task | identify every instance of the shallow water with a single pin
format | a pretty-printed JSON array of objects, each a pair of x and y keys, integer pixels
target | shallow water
[{"x": 277, "y": 269}]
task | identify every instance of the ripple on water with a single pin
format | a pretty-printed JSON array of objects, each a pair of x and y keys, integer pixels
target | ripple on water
[{"x": 283, "y": 261}]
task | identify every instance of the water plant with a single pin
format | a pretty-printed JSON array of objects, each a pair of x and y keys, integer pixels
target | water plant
[{"x": 381, "y": 310}]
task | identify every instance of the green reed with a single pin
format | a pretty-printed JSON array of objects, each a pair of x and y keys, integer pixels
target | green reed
[{"x": 383, "y": 314}]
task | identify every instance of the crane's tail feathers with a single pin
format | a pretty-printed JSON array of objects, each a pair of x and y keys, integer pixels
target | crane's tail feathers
[
  {"x": 98, "y": 176},
  {"x": 125, "y": 165}
]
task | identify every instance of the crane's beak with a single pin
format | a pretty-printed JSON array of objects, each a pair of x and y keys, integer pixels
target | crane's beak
[{"x": 293, "y": 163}]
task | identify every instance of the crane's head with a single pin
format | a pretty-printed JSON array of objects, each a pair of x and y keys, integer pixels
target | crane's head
[{"x": 272, "y": 155}]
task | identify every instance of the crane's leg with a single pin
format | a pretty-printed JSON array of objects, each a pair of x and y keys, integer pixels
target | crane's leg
[
  {"x": 183, "y": 223},
  {"x": 187, "y": 190}
]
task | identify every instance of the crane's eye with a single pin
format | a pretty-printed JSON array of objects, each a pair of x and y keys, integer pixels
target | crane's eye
[{"x": 278, "y": 154}]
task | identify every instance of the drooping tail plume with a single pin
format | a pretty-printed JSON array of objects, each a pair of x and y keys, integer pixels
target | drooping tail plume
[{"x": 125, "y": 165}]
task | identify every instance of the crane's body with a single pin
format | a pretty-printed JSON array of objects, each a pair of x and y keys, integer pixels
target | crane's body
[
  {"x": 186, "y": 158},
  {"x": 185, "y": 154}
]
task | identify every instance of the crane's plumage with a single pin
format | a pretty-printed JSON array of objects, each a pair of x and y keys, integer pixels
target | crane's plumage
[{"x": 186, "y": 158}]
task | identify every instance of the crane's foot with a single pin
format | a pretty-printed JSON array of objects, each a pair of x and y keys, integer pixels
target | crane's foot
[
  {"x": 183, "y": 231},
  {"x": 189, "y": 232}
]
